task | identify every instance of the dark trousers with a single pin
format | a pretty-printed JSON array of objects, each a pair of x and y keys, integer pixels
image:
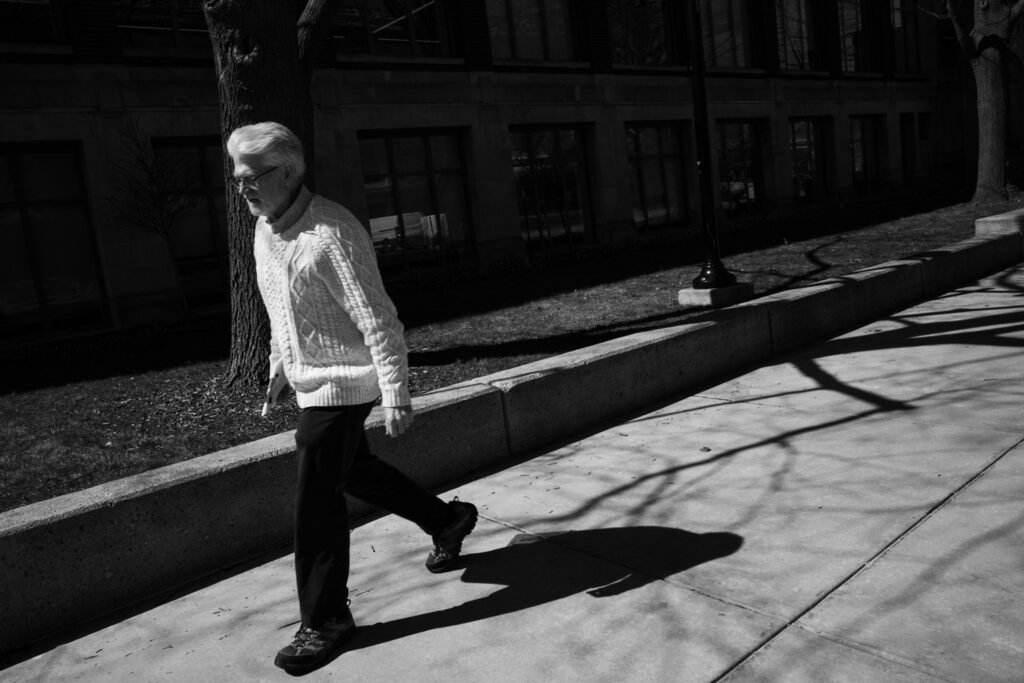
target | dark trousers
[{"x": 334, "y": 458}]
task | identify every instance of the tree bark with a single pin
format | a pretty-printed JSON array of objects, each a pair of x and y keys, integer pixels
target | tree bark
[
  {"x": 992, "y": 36},
  {"x": 988, "y": 46},
  {"x": 260, "y": 77},
  {"x": 989, "y": 78}
]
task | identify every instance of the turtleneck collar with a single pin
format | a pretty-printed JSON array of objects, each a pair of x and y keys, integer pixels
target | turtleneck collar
[{"x": 292, "y": 214}]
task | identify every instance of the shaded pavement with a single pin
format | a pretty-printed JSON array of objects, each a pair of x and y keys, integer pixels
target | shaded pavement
[{"x": 850, "y": 512}]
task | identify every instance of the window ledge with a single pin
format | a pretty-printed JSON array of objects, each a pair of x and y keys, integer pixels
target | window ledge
[
  {"x": 166, "y": 52},
  {"x": 380, "y": 60},
  {"x": 809, "y": 73},
  {"x": 650, "y": 68},
  {"x": 539, "y": 64},
  {"x": 735, "y": 71},
  {"x": 35, "y": 49},
  {"x": 864, "y": 75}
]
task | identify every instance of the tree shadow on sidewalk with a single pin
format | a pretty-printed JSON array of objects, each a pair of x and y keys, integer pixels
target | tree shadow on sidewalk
[{"x": 537, "y": 569}]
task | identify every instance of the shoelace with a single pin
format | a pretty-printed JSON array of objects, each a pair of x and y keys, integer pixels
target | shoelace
[{"x": 305, "y": 635}]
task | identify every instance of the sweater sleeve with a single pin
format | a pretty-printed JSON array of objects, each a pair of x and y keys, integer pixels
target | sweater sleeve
[
  {"x": 354, "y": 281},
  {"x": 276, "y": 357}
]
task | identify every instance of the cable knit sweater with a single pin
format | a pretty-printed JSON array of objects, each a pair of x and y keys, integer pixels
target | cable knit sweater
[{"x": 334, "y": 331}]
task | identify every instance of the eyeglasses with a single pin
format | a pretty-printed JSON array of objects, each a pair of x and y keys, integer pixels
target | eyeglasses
[{"x": 251, "y": 181}]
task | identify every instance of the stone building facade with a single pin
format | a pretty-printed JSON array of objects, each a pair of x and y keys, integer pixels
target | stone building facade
[{"x": 462, "y": 132}]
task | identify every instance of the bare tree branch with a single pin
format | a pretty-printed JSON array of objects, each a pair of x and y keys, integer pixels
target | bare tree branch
[
  {"x": 314, "y": 26},
  {"x": 1015, "y": 13},
  {"x": 963, "y": 38}
]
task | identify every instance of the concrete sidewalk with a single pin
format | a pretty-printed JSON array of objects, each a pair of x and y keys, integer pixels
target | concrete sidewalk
[{"x": 851, "y": 512}]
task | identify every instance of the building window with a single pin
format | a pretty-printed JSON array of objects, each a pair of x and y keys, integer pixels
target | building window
[
  {"x": 50, "y": 279},
  {"x": 656, "y": 175},
  {"x": 798, "y": 37},
  {"x": 538, "y": 30},
  {"x": 860, "y": 28},
  {"x": 728, "y": 33},
  {"x": 415, "y": 186},
  {"x": 741, "y": 175},
  {"x": 162, "y": 25},
  {"x": 645, "y": 32},
  {"x": 906, "y": 56},
  {"x": 193, "y": 170},
  {"x": 393, "y": 28},
  {"x": 30, "y": 21},
  {"x": 865, "y": 152},
  {"x": 807, "y": 140},
  {"x": 550, "y": 169}
]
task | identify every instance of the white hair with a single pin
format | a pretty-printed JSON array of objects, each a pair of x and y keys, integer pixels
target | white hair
[{"x": 275, "y": 143}]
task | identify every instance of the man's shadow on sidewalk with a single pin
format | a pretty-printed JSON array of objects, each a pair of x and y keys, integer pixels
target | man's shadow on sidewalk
[{"x": 536, "y": 569}]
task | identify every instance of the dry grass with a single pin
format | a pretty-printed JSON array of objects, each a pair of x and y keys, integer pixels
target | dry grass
[{"x": 87, "y": 412}]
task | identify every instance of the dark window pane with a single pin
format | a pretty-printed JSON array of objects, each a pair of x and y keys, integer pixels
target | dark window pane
[
  {"x": 727, "y": 37},
  {"x": 638, "y": 32},
  {"x": 214, "y": 161},
  {"x": 528, "y": 32},
  {"x": 501, "y": 31},
  {"x": 191, "y": 179},
  {"x": 674, "y": 189},
  {"x": 410, "y": 155},
  {"x": 418, "y": 212},
  {"x": 374, "y": 155},
  {"x": 6, "y": 183},
  {"x": 49, "y": 175},
  {"x": 14, "y": 247},
  {"x": 398, "y": 28},
  {"x": 28, "y": 22},
  {"x": 632, "y": 141},
  {"x": 17, "y": 282},
  {"x": 639, "y": 215},
  {"x": 530, "y": 29},
  {"x": 656, "y": 176},
  {"x": 797, "y": 36},
  {"x": 451, "y": 224},
  {"x": 739, "y": 167},
  {"x": 559, "y": 31},
  {"x": 389, "y": 27},
  {"x": 444, "y": 151},
  {"x": 551, "y": 185},
  {"x": 50, "y": 278},
  {"x": 68, "y": 270},
  {"x": 192, "y": 236},
  {"x": 351, "y": 35},
  {"x": 654, "y": 192},
  {"x": 427, "y": 29},
  {"x": 649, "y": 141}
]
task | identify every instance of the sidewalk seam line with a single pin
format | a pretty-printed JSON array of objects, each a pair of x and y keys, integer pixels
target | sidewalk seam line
[
  {"x": 875, "y": 652},
  {"x": 865, "y": 565}
]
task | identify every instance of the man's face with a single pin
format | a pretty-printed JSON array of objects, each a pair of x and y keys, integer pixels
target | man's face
[{"x": 265, "y": 187}]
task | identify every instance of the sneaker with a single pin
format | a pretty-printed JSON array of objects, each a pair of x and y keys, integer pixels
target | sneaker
[
  {"x": 448, "y": 543},
  {"x": 313, "y": 647}
]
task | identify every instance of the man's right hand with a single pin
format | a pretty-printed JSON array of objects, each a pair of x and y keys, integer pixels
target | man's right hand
[{"x": 277, "y": 389}]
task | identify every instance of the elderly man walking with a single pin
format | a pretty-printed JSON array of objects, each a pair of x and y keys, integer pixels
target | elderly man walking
[{"x": 336, "y": 340}]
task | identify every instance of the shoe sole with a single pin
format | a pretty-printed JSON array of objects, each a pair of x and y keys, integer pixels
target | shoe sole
[
  {"x": 450, "y": 564},
  {"x": 323, "y": 660}
]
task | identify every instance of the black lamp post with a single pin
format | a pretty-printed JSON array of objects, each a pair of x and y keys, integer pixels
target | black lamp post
[{"x": 714, "y": 273}]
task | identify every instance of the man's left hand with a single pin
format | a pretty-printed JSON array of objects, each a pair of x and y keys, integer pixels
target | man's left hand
[{"x": 397, "y": 419}]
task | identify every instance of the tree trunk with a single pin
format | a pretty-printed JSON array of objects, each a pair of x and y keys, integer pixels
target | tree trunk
[
  {"x": 992, "y": 130},
  {"x": 259, "y": 78},
  {"x": 994, "y": 21}
]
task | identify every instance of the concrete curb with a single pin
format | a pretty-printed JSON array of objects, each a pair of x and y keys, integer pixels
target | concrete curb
[{"x": 67, "y": 561}]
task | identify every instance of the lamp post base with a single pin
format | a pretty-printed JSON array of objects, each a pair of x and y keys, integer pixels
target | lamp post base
[{"x": 715, "y": 297}]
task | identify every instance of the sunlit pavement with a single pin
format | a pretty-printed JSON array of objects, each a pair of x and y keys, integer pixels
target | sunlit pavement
[{"x": 852, "y": 512}]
